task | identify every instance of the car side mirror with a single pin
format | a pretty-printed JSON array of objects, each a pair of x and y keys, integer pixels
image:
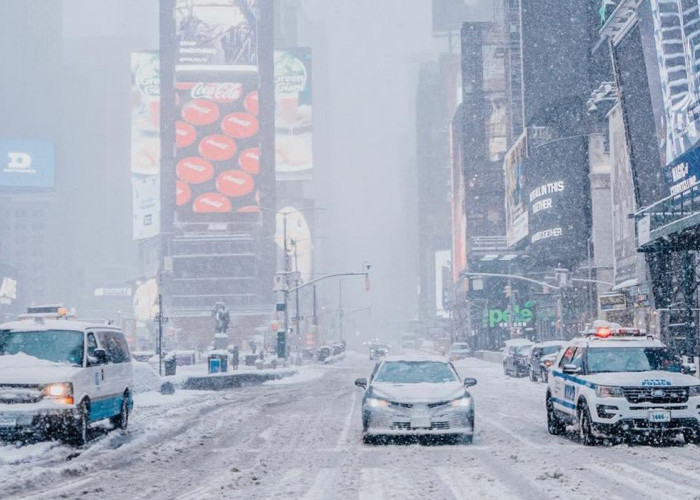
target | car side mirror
[
  {"x": 100, "y": 357},
  {"x": 689, "y": 369},
  {"x": 571, "y": 369},
  {"x": 469, "y": 382},
  {"x": 361, "y": 382}
]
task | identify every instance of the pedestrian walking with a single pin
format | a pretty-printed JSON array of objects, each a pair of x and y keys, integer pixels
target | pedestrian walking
[{"x": 234, "y": 357}]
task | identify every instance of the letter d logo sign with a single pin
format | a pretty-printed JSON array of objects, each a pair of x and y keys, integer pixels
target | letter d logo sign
[{"x": 19, "y": 161}]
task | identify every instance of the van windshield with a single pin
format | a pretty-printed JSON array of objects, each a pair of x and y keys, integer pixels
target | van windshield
[{"x": 59, "y": 346}]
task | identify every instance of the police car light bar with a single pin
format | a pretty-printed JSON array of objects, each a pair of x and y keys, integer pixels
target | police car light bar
[{"x": 604, "y": 332}]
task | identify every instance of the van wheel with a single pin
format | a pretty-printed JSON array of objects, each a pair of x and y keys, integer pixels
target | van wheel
[
  {"x": 121, "y": 421},
  {"x": 585, "y": 427},
  {"x": 554, "y": 424},
  {"x": 78, "y": 430}
]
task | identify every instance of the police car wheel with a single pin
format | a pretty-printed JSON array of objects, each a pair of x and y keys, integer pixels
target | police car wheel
[
  {"x": 585, "y": 426},
  {"x": 554, "y": 425}
]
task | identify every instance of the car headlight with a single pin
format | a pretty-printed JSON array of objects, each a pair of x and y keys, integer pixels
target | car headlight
[
  {"x": 62, "y": 392},
  {"x": 693, "y": 391},
  {"x": 376, "y": 402},
  {"x": 605, "y": 391},
  {"x": 462, "y": 403}
]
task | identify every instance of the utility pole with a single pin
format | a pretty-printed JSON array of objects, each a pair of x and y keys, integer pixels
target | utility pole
[
  {"x": 340, "y": 308},
  {"x": 286, "y": 284},
  {"x": 160, "y": 319}
]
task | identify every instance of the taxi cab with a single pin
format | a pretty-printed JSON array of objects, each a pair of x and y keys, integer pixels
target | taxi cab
[{"x": 619, "y": 382}]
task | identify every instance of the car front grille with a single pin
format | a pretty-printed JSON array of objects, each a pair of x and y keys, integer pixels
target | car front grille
[
  {"x": 656, "y": 395},
  {"x": 395, "y": 404},
  {"x": 19, "y": 393}
]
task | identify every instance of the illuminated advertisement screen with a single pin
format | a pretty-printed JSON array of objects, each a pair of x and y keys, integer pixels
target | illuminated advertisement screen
[
  {"x": 217, "y": 150},
  {"x": 26, "y": 165},
  {"x": 516, "y": 207},
  {"x": 217, "y": 34},
  {"x": 293, "y": 114},
  {"x": 145, "y": 144},
  {"x": 558, "y": 203}
]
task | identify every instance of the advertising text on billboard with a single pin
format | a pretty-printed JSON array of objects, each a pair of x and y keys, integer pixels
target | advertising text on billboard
[
  {"x": 26, "y": 165},
  {"x": 217, "y": 35}
]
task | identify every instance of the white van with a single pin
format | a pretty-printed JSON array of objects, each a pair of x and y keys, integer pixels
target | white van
[{"x": 59, "y": 376}]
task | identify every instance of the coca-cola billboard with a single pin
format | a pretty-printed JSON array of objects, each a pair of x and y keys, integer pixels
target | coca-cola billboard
[{"x": 217, "y": 158}]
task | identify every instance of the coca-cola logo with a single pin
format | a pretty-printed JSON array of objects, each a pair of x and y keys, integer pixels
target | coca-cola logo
[
  {"x": 217, "y": 147},
  {"x": 200, "y": 112},
  {"x": 185, "y": 134},
  {"x": 251, "y": 102},
  {"x": 240, "y": 125},
  {"x": 249, "y": 161},
  {"x": 234, "y": 183},
  {"x": 211, "y": 203},
  {"x": 217, "y": 92},
  {"x": 183, "y": 193},
  {"x": 194, "y": 170}
]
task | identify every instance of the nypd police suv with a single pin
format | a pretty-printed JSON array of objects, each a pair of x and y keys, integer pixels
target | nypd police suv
[{"x": 615, "y": 383}]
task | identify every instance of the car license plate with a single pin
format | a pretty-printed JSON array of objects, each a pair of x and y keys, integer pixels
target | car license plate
[
  {"x": 659, "y": 416},
  {"x": 7, "y": 421},
  {"x": 420, "y": 422}
]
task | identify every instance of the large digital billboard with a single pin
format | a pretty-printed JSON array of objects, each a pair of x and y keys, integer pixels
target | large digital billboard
[
  {"x": 217, "y": 150},
  {"x": 558, "y": 201},
  {"x": 623, "y": 203},
  {"x": 678, "y": 59},
  {"x": 145, "y": 144},
  {"x": 216, "y": 35},
  {"x": 516, "y": 206},
  {"x": 26, "y": 165},
  {"x": 293, "y": 114}
]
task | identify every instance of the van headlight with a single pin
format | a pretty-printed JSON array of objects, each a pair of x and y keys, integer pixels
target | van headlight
[
  {"x": 462, "y": 403},
  {"x": 376, "y": 402},
  {"x": 62, "y": 392},
  {"x": 607, "y": 391},
  {"x": 693, "y": 391}
]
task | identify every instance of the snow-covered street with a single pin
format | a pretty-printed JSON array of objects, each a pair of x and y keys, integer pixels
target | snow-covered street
[{"x": 301, "y": 438}]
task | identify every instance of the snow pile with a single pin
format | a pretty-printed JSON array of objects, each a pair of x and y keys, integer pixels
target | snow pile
[
  {"x": 308, "y": 374},
  {"x": 22, "y": 360},
  {"x": 145, "y": 377}
]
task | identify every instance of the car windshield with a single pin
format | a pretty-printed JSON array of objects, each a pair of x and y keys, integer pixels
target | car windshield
[
  {"x": 523, "y": 350},
  {"x": 60, "y": 346},
  {"x": 416, "y": 372},
  {"x": 550, "y": 349},
  {"x": 631, "y": 359}
]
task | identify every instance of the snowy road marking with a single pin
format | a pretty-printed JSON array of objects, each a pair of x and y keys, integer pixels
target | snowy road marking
[
  {"x": 664, "y": 484},
  {"x": 468, "y": 483},
  {"x": 372, "y": 487},
  {"x": 643, "y": 489},
  {"x": 196, "y": 494},
  {"x": 517, "y": 437},
  {"x": 323, "y": 485},
  {"x": 343, "y": 438}
]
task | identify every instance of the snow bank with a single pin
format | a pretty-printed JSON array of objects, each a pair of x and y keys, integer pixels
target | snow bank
[
  {"x": 306, "y": 374},
  {"x": 145, "y": 377}
]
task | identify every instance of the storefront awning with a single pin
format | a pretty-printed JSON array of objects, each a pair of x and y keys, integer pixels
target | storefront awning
[{"x": 626, "y": 284}]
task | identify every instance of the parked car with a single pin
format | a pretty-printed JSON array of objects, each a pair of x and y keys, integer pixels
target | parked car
[
  {"x": 323, "y": 353},
  {"x": 516, "y": 357},
  {"x": 416, "y": 396},
  {"x": 57, "y": 377},
  {"x": 540, "y": 359},
  {"x": 459, "y": 350},
  {"x": 338, "y": 349}
]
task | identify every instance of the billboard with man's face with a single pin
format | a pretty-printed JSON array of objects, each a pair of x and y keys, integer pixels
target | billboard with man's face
[{"x": 516, "y": 206}]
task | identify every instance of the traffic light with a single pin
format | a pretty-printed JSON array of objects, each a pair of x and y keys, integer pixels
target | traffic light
[
  {"x": 508, "y": 291},
  {"x": 281, "y": 344}
]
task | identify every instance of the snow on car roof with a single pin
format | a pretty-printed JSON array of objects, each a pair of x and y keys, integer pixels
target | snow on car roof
[
  {"x": 30, "y": 325},
  {"x": 416, "y": 357},
  {"x": 550, "y": 343},
  {"x": 518, "y": 342}
]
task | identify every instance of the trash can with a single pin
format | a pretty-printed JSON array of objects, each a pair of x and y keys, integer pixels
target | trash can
[
  {"x": 169, "y": 365},
  {"x": 218, "y": 363}
]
